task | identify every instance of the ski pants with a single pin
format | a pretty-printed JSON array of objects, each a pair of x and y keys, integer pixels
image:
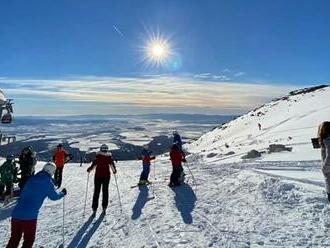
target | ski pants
[
  {"x": 98, "y": 183},
  {"x": 145, "y": 172},
  {"x": 58, "y": 176},
  {"x": 176, "y": 172},
  {"x": 19, "y": 228},
  {"x": 8, "y": 187}
]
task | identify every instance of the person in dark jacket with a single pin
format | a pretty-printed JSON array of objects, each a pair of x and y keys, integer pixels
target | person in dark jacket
[
  {"x": 102, "y": 163},
  {"x": 146, "y": 162},
  {"x": 27, "y": 161},
  {"x": 8, "y": 172},
  {"x": 177, "y": 157},
  {"x": 25, "y": 214}
]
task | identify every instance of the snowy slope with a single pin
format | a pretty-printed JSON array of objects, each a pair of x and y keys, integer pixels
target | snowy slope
[
  {"x": 291, "y": 120},
  {"x": 250, "y": 205}
]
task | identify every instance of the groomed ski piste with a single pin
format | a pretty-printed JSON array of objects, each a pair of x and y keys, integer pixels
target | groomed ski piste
[{"x": 276, "y": 200}]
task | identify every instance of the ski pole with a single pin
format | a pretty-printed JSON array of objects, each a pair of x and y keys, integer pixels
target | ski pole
[
  {"x": 192, "y": 175},
  {"x": 86, "y": 194},
  {"x": 121, "y": 208},
  {"x": 63, "y": 222},
  {"x": 155, "y": 170}
]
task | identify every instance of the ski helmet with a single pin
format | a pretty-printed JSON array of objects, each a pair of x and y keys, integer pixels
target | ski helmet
[
  {"x": 49, "y": 168},
  {"x": 59, "y": 145},
  {"x": 104, "y": 148}
]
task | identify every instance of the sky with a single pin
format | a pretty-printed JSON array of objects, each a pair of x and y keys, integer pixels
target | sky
[{"x": 227, "y": 56}]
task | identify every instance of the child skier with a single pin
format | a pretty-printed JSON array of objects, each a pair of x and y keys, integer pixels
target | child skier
[
  {"x": 177, "y": 157},
  {"x": 60, "y": 156},
  {"x": 146, "y": 162},
  {"x": 102, "y": 163},
  {"x": 8, "y": 173},
  {"x": 25, "y": 214}
]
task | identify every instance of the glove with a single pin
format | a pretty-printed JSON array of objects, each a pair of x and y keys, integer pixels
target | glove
[
  {"x": 64, "y": 192},
  {"x": 89, "y": 169},
  {"x": 184, "y": 160},
  {"x": 114, "y": 171}
]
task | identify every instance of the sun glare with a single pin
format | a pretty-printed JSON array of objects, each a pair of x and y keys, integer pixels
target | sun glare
[{"x": 156, "y": 51}]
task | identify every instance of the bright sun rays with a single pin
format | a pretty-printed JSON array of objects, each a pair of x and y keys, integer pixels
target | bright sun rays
[{"x": 156, "y": 51}]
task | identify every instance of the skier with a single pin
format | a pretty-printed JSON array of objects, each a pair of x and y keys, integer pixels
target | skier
[
  {"x": 177, "y": 157},
  {"x": 25, "y": 214},
  {"x": 8, "y": 173},
  {"x": 177, "y": 139},
  {"x": 146, "y": 161},
  {"x": 259, "y": 126},
  {"x": 324, "y": 140},
  {"x": 60, "y": 156},
  {"x": 102, "y": 163},
  {"x": 27, "y": 161}
]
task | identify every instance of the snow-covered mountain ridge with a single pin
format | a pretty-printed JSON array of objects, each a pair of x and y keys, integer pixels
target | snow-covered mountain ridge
[{"x": 291, "y": 120}]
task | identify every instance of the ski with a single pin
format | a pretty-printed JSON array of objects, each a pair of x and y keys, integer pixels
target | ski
[{"x": 137, "y": 185}]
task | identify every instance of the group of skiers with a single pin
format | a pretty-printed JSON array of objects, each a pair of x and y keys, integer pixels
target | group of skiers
[
  {"x": 9, "y": 172},
  {"x": 35, "y": 188}
]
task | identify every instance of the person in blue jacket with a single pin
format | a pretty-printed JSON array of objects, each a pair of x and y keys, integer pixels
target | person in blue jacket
[{"x": 25, "y": 214}]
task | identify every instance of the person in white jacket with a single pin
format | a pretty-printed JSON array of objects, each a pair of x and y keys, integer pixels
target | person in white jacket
[{"x": 324, "y": 140}]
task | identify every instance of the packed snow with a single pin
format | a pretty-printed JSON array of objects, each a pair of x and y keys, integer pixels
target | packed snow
[
  {"x": 291, "y": 121},
  {"x": 276, "y": 200}
]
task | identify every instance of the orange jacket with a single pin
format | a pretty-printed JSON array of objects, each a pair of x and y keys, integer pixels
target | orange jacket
[{"x": 60, "y": 157}]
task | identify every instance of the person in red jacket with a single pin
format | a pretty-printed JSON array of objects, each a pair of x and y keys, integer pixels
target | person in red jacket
[
  {"x": 177, "y": 157},
  {"x": 60, "y": 156},
  {"x": 102, "y": 163}
]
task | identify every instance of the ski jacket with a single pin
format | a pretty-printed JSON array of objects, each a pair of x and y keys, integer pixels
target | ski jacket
[
  {"x": 59, "y": 157},
  {"x": 176, "y": 157},
  {"x": 8, "y": 172},
  {"x": 27, "y": 163},
  {"x": 145, "y": 157},
  {"x": 102, "y": 162},
  {"x": 33, "y": 194},
  {"x": 325, "y": 154}
]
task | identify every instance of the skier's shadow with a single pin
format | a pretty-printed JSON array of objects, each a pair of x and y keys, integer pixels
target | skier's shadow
[
  {"x": 83, "y": 236},
  {"x": 6, "y": 211},
  {"x": 185, "y": 199},
  {"x": 140, "y": 202}
]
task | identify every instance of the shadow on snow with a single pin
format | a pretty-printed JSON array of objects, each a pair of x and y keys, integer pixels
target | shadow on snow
[
  {"x": 141, "y": 200},
  {"x": 6, "y": 211},
  {"x": 185, "y": 199},
  {"x": 85, "y": 233}
]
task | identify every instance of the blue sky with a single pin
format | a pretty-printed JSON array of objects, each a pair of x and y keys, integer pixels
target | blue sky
[{"x": 277, "y": 44}]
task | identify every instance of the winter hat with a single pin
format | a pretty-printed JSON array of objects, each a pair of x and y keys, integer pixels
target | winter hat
[
  {"x": 49, "y": 168},
  {"x": 104, "y": 148},
  {"x": 145, "y": 146}
]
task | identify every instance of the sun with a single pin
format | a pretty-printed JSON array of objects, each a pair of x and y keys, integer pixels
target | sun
[{"x": 156, "y": 51}]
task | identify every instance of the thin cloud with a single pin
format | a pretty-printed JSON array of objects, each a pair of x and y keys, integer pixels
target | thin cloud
[
  {"x": 143, "y": 94},
  {"x": 239, "y": 74}
]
